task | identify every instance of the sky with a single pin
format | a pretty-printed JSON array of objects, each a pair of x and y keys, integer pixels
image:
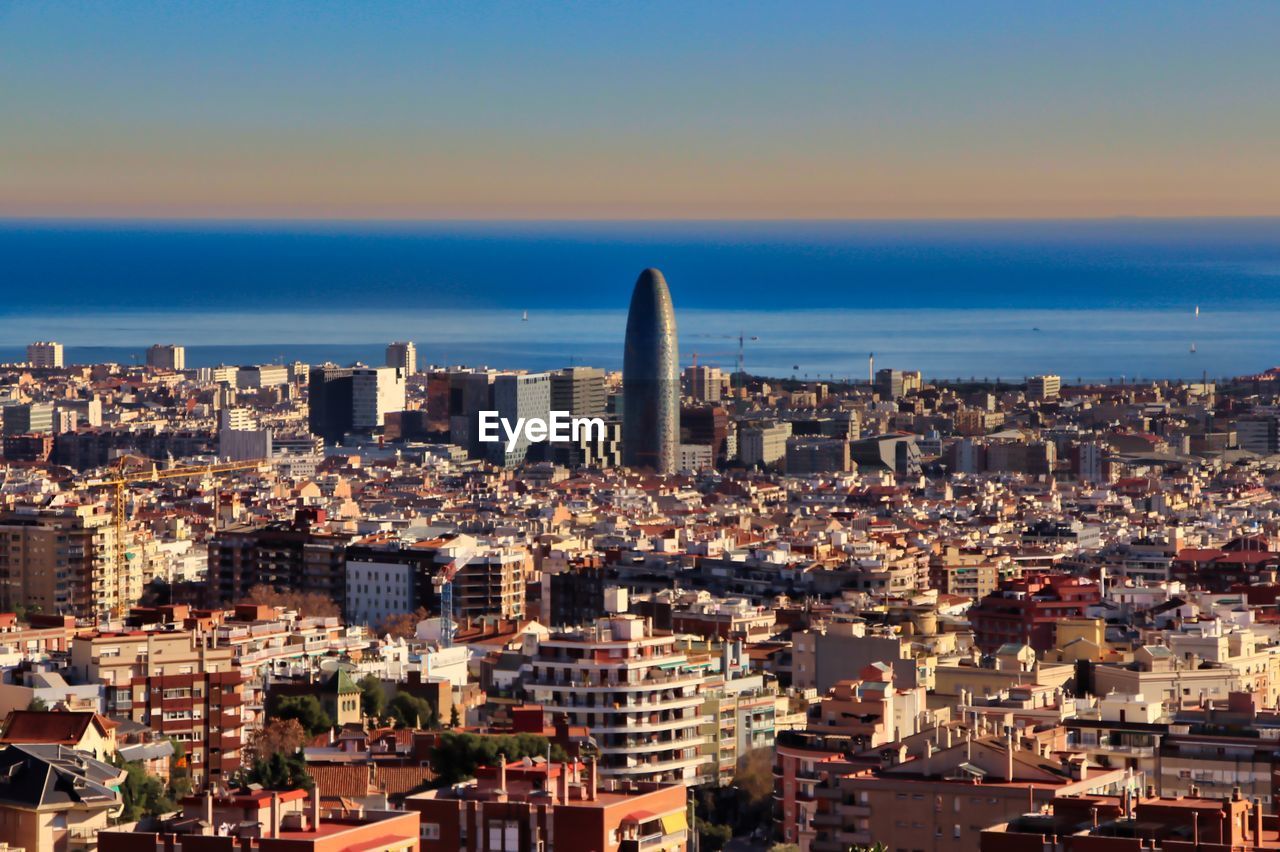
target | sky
[{"x": 653, "y": 110}]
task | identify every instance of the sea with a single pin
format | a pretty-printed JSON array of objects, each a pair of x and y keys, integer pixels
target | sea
[{"x": 1099, "y": 299}]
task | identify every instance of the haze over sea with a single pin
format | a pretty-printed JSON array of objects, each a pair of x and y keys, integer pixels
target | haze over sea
[{"x": 1086, "y": 299}]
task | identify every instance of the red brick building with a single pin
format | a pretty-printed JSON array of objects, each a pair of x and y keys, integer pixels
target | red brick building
[{"x": 1025, "y": 611}]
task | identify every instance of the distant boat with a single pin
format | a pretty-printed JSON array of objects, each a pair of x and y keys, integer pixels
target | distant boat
[
  {"x": 524, "y": 317},
  {"x": 1193, "y": 349},
  {"x": 1197, "y": 310},
  {"x": 1036, "y": 328}
]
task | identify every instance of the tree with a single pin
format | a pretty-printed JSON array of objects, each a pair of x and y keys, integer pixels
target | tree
[
  {"x": 282, "y": 736},
  {"x": 373, "y": 700},
  {"x": 712, "y": 837},
  {"x": 142, "y": 794},
  {"x": 306, "y": 604},
  {"x": 281, "y": 772},
  {"x": 38, "y": 705},
  {"x": 457, "y": 754},
  {"x": 403, "y": 625},
  {"x": 754, "y": 776},
  {"x": 306, "y": 709},
  {"x": 410, "y": 711},
  {"x": 454, "y": 720}
]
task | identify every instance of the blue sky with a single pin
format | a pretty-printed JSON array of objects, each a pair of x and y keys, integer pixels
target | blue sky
[{"x": 638, "y": 110}]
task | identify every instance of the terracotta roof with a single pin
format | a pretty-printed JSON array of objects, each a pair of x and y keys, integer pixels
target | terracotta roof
[
  {"x": 65, "y": 728},
  {"x": 335, "y": 780}
]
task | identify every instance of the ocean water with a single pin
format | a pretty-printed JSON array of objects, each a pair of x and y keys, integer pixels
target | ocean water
[{"x": 1085, "y": 299}]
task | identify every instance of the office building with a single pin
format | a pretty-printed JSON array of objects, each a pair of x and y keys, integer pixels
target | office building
[
  {"x": 44, "y": 355},
  {"x": 261, "y": 376},
  {"x": 1044, "y": 388},
  {"x": 807, "y": 456},
  {"x": 27, "y": 418},
  {"x": 579, "y": 391},
  {"x": 650, "y": 378},
  {"x": 763, "y": 444},
  {"x": 1258, "y": 435},
  {"x": 375, "y": 392},
  {"x": 403, "y": 355},
  {"x": 635, "y": 691},
  {"x": 167, "y": 356},
  {"x": 516, "y": 397},
  {"x": 329, "y": 402}
]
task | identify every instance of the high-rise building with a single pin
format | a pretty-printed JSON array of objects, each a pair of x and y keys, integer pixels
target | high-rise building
[
  {"x": 301, "y": 554},
  {"x": 167, "y": 356},
  {"x": 329, "y": 402},
  {"x": 375, "y": 391},
  {"x": 404, "y": 355},
  {"x": 705, "y": 383},
  {"x": 651, "y": 378},
  {"x": 518, "y": 397},
  {"x": 64, "y": 561},
  {"x": 579, "y": 391},
  {"x": 45, "y": 354}
]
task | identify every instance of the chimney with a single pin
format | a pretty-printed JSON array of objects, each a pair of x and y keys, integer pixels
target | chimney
[
  {"x": 591, "y": 780},
  {"x": 1257, "y": 822},
  {"x": 275, "y": 814},
  {"x": 502, "y": 772},
  {"x": 315, "y": 809},
  {"x": 208, "y": 807},
  {"x": 562, "y": 783},
  {"x": 1008, "y": 754}
]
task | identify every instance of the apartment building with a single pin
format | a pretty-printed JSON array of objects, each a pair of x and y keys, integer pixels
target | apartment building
[
  {"x": 634, "y": 689},
  {"x": 64, "y": 560},
  {"x": 176, "y": 684}
]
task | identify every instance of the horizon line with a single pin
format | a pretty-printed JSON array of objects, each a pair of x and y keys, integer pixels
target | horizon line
[{"x": 529, "y": 220}]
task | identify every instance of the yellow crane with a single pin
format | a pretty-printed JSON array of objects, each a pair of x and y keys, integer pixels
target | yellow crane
[{"x": 122, "y": 479}]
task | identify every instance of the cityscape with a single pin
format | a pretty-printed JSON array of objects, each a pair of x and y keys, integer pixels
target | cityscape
[{"x": 639, "y": 428}]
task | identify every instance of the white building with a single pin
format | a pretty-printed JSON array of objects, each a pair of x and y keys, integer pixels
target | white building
[
  {"x": 1044, "y": 388},
  {"x": 378, "y": 590},
  {"x": 763, "y": 444},
  {"x": 375, "y": 391},
  {"x": 44, "y": 355},
  {"x": 635, "y": 692}
]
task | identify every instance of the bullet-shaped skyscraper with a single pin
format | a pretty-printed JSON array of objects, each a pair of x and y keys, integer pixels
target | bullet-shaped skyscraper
[{"x": 651, "y": 378}]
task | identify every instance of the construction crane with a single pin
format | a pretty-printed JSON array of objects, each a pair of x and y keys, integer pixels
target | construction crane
[
  {"x": 743, "y": 339},
  {"x": 443, "y": 582},
  {"x": 122, "y": 479}
]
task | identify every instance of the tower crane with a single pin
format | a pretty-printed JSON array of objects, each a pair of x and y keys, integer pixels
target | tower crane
[
  {"x": 120, "y": 479},
  {"x": 743, "y": 339},
  {"x": 443, "y": 582}
]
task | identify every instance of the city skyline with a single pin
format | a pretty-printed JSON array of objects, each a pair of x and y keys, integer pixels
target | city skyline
[{"x": 480, "y": 112}]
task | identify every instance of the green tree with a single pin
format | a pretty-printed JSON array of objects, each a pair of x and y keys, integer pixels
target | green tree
[
  {"x": 373, "y": 700},
  {"x": 457, "y": 754},
  {"x": 454, "y": 720},
  {"x": 280, "y": 771},
  {"x": 142, "y": 794},
  {"x": 410, "y": 711},
  {"x": 307, "y": 709},
  {"x": 712, "y": 837},
  {"x": 38, "y": 705}
]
